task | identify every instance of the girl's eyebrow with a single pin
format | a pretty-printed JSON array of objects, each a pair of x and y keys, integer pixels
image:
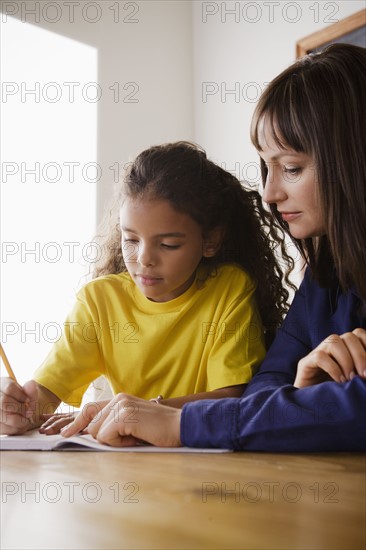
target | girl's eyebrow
[{"x": 159, "y": 235}]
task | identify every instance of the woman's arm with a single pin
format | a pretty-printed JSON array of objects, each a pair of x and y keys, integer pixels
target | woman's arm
[{"x": 325, "y": 417}]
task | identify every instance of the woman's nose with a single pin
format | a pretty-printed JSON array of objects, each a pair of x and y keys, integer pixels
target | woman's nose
[{"x": 273, "y": 189}]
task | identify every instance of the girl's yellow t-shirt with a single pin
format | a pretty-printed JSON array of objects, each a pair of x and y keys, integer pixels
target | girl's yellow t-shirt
[{"x": 207, "y": 338}]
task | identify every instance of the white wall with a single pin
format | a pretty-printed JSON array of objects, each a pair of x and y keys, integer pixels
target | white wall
[
  {"x": 242, "y": 46},
  {"x": 143, "y": 51}
]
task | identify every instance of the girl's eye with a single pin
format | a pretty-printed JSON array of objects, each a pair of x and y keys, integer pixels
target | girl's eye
[
  {"x": 170, "y": 246},
  {"x": 130, "y": 241}
]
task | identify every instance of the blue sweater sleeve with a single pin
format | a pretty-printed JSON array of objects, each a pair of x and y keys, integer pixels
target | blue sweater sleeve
[
  {"x": 325, "y": 417},
  {"x": 292, "y": 342},
  {"x": 274, "y": 416}
]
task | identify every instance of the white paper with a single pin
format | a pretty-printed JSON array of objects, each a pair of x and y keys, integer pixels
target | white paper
[{"x": 34, "y": 441}]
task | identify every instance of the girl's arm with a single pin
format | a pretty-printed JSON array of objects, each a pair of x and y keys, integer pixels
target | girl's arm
[{"x": 229, "y": 391}]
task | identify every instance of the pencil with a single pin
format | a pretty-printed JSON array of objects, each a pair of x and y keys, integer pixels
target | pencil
[{"x": 7, "y": 364}]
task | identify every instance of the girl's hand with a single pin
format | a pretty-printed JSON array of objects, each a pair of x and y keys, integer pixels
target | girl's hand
[
  {"x": 17, "y": 406},
  {"x": 128, "y": 420},
  {"x": 337, "y": 358},
  {"x": 73, "y": 424},
  {"x": 53, "y": 423}
]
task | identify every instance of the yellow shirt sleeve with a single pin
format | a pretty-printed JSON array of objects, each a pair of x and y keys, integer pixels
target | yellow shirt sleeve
[
  {"x": 75, "y": 360},
  {"x": 238, "y": 342}
]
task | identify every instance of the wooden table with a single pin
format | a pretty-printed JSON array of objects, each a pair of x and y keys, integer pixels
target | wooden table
[{"x": 91, "y": 500}]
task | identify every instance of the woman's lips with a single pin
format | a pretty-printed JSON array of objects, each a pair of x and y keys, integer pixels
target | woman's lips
[{"x": 289, "y": 216}]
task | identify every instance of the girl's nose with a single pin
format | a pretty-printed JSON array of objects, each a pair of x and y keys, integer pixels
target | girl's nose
[{"x": 145, "y": 256}]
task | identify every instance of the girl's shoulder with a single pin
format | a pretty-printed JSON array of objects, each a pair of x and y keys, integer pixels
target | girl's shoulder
[
  {"x": 106, "y": 283},
  {"x": 234, "y": 276}
]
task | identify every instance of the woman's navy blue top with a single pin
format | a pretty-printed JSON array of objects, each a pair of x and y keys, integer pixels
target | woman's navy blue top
[{"x": 274, "y": 416}]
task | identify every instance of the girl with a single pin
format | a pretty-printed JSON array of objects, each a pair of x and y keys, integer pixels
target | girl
[
  {"x": 310, "y": 393},
  {"x": 188, "y": 291}
]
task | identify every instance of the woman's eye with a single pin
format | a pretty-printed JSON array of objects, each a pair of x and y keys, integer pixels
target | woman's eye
[{"x": 291, "y": 170}]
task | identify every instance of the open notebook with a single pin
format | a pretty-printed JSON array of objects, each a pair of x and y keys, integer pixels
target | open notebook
[{"x": 34, "y": 441}]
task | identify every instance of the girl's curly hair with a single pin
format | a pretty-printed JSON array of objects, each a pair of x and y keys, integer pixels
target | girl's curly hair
[{"x": 182, "y": 174}]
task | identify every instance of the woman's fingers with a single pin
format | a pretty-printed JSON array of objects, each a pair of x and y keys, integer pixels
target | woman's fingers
[
  {"x": 356, "y": 344},
  {"x": 83, "y": 419},
  {"x": 336, "y": 348},
  {"x": 129, "y": 420},
  {"x": 338, "y": 357}
]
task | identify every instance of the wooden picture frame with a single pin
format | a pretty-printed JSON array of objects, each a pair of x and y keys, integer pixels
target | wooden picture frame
[{"x": 351, "y": 30}]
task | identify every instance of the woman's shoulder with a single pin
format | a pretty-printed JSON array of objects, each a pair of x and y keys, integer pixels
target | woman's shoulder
[
  {"x": 310, "y": 285},
  {"x": 329, "y": 298}
]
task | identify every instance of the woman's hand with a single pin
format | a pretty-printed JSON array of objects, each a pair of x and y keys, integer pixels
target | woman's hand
[
  {"x": 126, "y": 421},
  {"x": 337, "y": 358}
]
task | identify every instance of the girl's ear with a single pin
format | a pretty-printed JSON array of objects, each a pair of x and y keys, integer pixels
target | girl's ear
[{"x": 213, "y": 242}]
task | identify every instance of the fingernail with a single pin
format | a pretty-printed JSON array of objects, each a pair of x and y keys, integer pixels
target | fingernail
[
  {"x": 342, "y": 378},
  {"x": 64, "y": 430},
  {"x": 364, "y": 373},
  {"x": 352, "y": 374}
]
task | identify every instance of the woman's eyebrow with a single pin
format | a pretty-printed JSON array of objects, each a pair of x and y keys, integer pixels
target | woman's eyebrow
[{"x": 281, "y": 155}]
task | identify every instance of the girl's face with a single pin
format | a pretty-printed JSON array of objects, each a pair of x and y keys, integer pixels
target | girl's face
[
  {"x": 161, "y": 247},
  {"x": 291, "y": 185}
]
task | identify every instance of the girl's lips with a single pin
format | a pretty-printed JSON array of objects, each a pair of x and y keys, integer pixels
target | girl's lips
[
  {"x": 148, "y": 281},
  {"x": 289, "y": 216}
]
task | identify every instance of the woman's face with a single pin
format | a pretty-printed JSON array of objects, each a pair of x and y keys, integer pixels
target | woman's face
[{"x": 291, "y": 186}]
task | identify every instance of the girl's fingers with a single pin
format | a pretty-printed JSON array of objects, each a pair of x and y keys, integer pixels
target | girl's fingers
[
  {"x": 13, "y": 424},
  {"x": 12, "y": 392},
  {"x": 13, "y": 401},
  {"x": 56, "y": 422}
]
